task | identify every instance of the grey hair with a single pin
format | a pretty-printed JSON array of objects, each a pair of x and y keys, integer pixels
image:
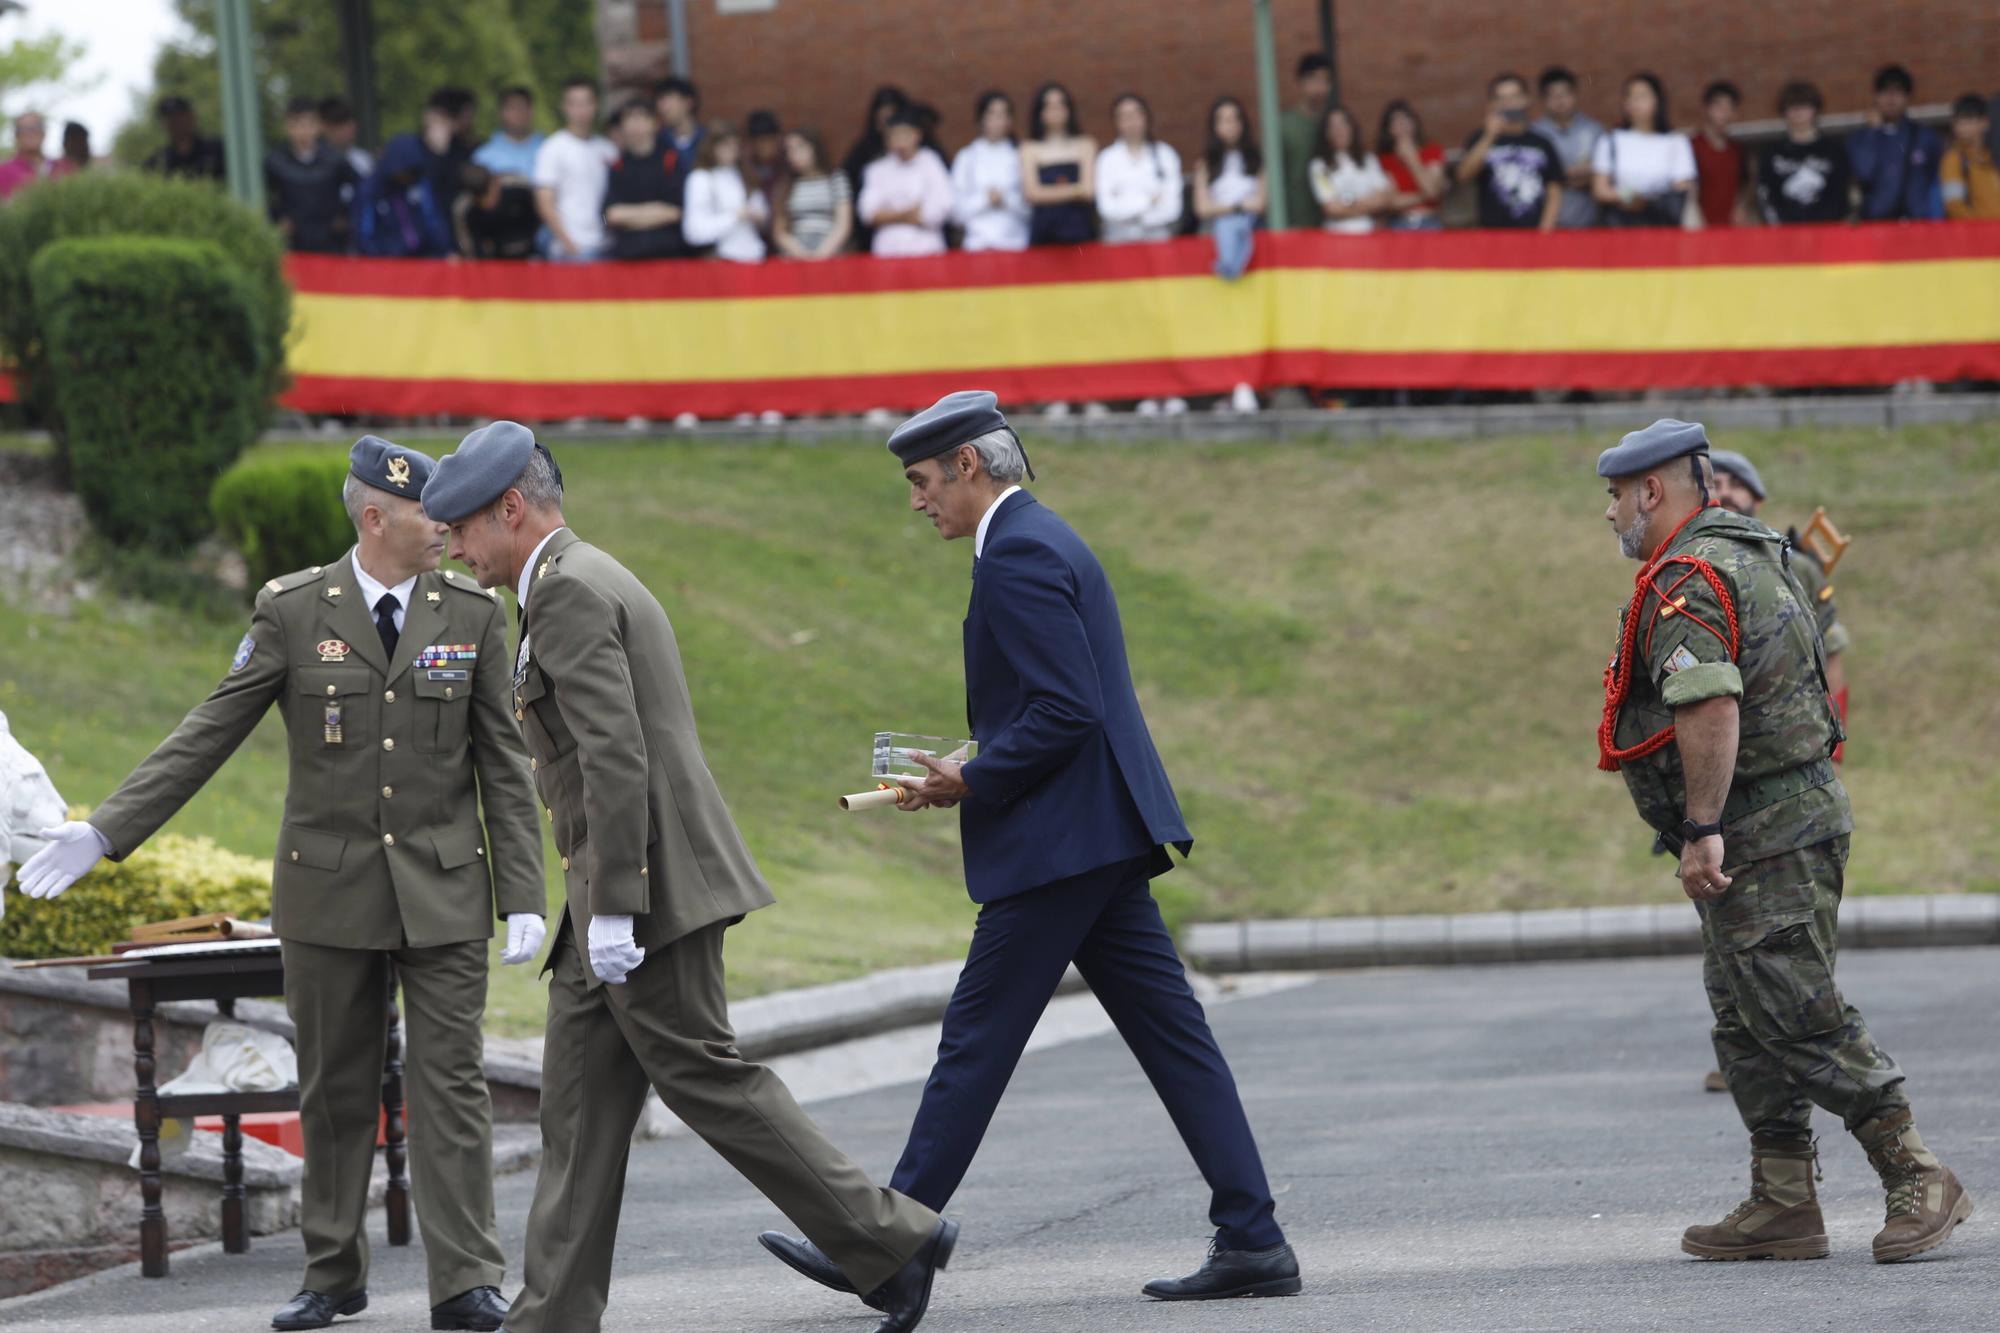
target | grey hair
[
  {"x": 357, "y": 495},
  {"x": 538, "y": 483},
  {"x": 1000, "y": 454}
]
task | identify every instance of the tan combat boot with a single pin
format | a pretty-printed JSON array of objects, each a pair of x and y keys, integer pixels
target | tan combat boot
[
  {"x": 1925, "y": 1199},
  {"x": 1780, "y": 1219}
]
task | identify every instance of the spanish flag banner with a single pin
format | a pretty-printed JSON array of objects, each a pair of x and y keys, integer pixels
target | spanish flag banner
[{"x": 1477, "y": 310}]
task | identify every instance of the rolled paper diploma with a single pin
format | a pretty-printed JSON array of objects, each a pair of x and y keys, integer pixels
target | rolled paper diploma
[{"x": 884, "y": 794}]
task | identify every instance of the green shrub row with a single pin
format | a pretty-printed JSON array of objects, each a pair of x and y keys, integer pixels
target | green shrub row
[
  {"x": 100, "y": 204},
  {"x": 155, "y": 351},
  {"x": 283, "y": 514},
  {"x": 170, "y": 877}
]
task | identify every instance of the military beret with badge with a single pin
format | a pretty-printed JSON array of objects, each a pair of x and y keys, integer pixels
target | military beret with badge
[{"x": 955, "y": 419}]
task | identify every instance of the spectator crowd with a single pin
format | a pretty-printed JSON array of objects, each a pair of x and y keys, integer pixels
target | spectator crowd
[{"x": 653, "y": 180}]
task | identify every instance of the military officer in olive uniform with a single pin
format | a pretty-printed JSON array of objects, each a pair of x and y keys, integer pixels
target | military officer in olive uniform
[
  {"x": 1716, "y": 712},
  {"x": 392, "y": 681},
  {"x": 656, "y": 873}
]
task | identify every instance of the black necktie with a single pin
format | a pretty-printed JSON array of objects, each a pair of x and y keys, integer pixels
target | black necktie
[{"x": 385, "y": 622}]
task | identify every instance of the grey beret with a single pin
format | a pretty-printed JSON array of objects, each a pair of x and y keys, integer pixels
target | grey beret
[
  {"x": 949, "y": 422},
  {"x": 476, "y": 473},
  {"x": 1644, "y": 450},
  {"x": 389, "y": 467},
  {"x": 1739, "y": 467}
]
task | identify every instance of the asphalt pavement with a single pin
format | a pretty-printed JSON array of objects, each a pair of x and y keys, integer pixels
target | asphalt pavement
[{"x": 1478, "y": 1148}]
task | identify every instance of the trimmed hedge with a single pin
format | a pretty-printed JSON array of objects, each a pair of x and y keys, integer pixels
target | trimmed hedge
[
  {"x": 171, "y": 876},
  {"x": 131, "y": 203},
  {"x": 155, "y": 351},
  {"x": 283, "y": 514}
]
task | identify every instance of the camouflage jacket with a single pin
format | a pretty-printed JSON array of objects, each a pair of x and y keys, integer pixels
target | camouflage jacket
[
  {"x": 1784, "y": 794},
  {"x": 1819, "y": 595}
]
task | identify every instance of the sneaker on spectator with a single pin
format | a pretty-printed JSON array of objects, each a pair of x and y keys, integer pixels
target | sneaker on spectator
[
  {"x": 771, "y": 417},
  {"x": 1148, "y": 407},
  {"x": 686, "y": 421},
  {"x": 1174, "y": 407},
  {"x": 1243, "y": 399},
  {"x": 1056, "y": 410},
  {"x": 1095, "y": 410}
]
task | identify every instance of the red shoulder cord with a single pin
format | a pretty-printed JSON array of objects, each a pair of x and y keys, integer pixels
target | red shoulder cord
[{"x": 1618, "y": 674}]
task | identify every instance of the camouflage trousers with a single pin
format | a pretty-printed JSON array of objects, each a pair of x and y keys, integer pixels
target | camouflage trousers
[{"x": 1784, "y": 1036}]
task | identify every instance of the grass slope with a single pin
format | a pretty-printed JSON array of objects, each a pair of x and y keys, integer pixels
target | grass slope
[{"x": 1373, "y": 670}]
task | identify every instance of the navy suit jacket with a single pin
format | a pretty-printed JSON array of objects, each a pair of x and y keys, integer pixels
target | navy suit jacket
[{"x": 1067, "y": 779}]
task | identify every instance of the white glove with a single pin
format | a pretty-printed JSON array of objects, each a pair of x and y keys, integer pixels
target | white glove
[
  {"x": 525, "y": 931},
  {"x": 613, "y": 953},
  {"x": 73, "y": 848}
]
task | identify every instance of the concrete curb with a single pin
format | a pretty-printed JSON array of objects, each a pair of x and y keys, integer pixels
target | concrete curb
[{"x": 1916, "y": 921}]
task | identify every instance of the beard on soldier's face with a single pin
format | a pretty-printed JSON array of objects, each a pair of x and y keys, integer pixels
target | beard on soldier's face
[{"x": 1632, "y": 539}]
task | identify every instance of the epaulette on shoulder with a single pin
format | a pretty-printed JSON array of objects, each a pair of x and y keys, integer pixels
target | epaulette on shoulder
[
  {"x": 292, "y": 582},
  {"x": 464, "y": 583}
]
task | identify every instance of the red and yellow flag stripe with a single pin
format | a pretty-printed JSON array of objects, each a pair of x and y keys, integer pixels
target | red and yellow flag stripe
[{"x": 1612, "y": 309}]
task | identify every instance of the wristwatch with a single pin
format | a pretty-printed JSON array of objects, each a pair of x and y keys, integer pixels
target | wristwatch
[{"x": 1694, "y": 832}]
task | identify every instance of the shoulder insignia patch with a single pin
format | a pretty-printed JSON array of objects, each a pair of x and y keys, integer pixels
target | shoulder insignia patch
[
  {"x": 243, "y": 651},
  {"x": 1678, "y": 604},
  {"x": 301, "y": 578},
  {"x": 1680, "y": 660}
]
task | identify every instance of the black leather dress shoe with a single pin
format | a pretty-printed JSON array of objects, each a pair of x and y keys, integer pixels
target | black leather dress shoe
[
  {"x": 312, "y": 1309},
  {"x": 804, "y": 1257},
  {"x": 905, "y": 1297},
  {"x": 1227, "y": 1273},
  {"x": 480, "y": 1308}
]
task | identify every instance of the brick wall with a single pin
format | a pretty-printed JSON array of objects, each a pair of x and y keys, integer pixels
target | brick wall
[{"x": 816, "y": 61}]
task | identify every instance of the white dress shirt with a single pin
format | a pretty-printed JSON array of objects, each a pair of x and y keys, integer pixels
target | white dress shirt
[
  {"x": 979, "y": 536},
  {"x": 712, "y": 214},
  {"x": 1138, "y": 194},
  {"x": 372, "y": 589},
  {"x": 528, "y": 572},
  {"x": 981, "y": 167}
]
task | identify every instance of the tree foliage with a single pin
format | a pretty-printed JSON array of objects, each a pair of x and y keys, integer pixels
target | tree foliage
[
  {"x": 481, "y": 45},
  {"x": 34, "y": 68}
]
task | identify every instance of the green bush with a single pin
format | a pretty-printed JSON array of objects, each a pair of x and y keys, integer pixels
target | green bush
[
  {"x": 130, "y": 203},
  {"x": 171, "y": 876},
  {"x": 154, "y": 349},
  {"x": 283, "y": 514}
]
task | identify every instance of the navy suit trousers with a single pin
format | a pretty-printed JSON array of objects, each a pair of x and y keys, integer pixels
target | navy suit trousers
[{"x": 1106, "y": 921}]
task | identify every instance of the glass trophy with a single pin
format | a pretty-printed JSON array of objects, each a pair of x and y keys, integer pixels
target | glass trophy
[
  {"x": 890, "y": 761},
  {"x": 892, "y": 757}
]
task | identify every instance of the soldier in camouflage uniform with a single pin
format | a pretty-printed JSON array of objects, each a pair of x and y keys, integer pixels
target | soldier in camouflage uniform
[
  {"x": 1717, "y": 713},
  {"x": 1738, "y": 487}
]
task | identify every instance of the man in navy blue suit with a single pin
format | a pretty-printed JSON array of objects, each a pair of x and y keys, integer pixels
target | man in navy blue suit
[{"x": 1066, "y": 814}]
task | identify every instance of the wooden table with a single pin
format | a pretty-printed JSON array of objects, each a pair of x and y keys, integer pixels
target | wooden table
[{"x": 226, "y": 978}]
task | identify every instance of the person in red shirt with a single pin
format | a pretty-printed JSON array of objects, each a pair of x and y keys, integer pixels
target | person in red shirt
[
  {"x": 1720, "y": 163},
  {"x": 1414, "y": 165}
]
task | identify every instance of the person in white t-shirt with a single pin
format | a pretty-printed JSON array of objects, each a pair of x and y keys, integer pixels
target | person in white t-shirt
[
  {"x": 1347, "y": 180},
  {"x": 1229, "y": 187},
  {"x": 572, "y": 171},
  {"x": 720, "y": 208},
  {"x": 986, "y": 181},
  {"x": 1643, "y": 174},
  {"x": 1138, "y": 178}
]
